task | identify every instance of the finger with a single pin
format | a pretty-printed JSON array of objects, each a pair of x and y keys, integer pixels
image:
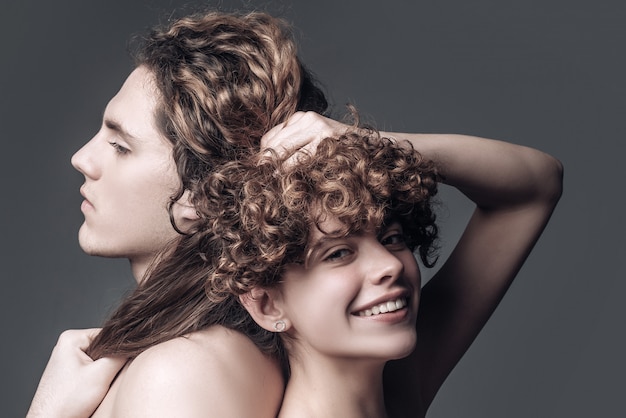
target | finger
[
  {"x": 295, "y": 118},
  {"x": 278, "y": 129},
  {"x": 291, "y": 137},
  {"x": 269, "y": 135},
  {"x": 108, "y": 367},
  {"x": 79, "y": 338},
  {"x": 86, "y": 336}
]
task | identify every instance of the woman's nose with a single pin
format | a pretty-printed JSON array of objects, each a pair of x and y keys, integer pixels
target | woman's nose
[{"x": 383, "y": 265}]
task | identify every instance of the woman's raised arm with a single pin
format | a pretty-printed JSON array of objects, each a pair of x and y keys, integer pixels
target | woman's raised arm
[{"x": 515, "y": 189}]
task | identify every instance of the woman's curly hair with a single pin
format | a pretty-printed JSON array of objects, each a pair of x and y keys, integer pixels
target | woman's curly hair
[{"x": 258, "y": 213}]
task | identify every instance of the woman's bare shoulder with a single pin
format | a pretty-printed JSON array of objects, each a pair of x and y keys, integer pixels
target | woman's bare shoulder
[{"x": 214, "y": 372}]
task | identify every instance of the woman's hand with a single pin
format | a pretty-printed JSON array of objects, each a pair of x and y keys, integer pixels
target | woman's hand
[
  {"x": 73, "y": 385},
  {"x": 303, "y": 131}
]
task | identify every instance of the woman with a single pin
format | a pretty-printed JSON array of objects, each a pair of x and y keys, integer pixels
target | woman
[
  {"x": 319, "y": 252},
  {"x": 205, "y": 89}
]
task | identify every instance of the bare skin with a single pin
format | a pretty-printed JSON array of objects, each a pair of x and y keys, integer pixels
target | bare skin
[
  {"x": 73, "y": 384},
  {"x": 213, "y": 369},
  {"x": 515, "y": 190},
  {"x": 336, "y": 351},
  {"x": 208, "y": 372}
]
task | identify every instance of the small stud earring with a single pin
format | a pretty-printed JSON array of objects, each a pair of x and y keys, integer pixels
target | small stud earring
[{"x": 280, "y": 326}]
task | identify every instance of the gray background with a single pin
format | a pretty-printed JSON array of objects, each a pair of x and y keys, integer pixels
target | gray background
[{"x": 548, "y": 74}]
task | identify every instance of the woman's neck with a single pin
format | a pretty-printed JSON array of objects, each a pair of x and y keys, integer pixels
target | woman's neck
[{"x": 330, "y": 387}]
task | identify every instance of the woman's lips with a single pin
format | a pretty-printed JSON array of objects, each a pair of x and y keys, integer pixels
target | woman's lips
[{"x": 384, "y": 307}]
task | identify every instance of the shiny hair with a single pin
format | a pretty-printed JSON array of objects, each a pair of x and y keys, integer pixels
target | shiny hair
[
  {"x": 223, "y": 80},
  {"x": 258, "y": 214}
]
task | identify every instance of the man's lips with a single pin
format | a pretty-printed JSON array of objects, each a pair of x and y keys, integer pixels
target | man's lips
[{"x": 86, "y": 203}]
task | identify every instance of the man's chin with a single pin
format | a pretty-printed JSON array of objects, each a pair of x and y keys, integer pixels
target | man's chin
[{"x": 96, "y": 249}]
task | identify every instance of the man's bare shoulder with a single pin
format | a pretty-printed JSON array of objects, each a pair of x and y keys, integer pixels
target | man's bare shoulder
[{"x": 211, "y": 372}]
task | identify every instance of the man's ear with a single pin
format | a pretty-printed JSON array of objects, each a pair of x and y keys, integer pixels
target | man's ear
[
  {"x": 265, "y": 307},
  {"x": 185, "y": 213}
]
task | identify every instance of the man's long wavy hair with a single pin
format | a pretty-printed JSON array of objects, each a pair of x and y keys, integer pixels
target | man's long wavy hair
[
  {"x": 223, "y": 81},
  {"x": 258, "y": 214}
]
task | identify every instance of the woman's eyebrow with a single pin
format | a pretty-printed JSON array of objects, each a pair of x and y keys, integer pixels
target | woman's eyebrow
[
  {"x": 318, "y": 242},
  {"x": 323, "y": 240}
]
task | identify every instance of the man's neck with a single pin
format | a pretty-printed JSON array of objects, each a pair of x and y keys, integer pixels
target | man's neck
[{"x": 139, "y": 269}]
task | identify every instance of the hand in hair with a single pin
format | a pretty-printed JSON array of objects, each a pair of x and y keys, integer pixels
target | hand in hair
[
  {"x": 73, "y": 385},
  {"x": 302, "y": 132}
]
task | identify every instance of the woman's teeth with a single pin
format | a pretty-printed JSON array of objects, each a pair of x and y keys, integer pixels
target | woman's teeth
[{"x": 385, "y": 307}]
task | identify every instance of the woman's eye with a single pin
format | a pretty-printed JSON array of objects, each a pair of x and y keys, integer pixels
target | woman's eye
[
  {"x": 119, "y": 149},
  {"x": 338, "y": 254},
  {"x": 393, "y": 239}
]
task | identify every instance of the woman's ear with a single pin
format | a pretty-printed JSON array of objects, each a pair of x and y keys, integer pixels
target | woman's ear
[{"x": 265, "y": 307}]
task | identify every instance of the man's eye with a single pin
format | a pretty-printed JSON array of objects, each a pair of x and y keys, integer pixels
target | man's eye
[{"x": 119, "y": 149}]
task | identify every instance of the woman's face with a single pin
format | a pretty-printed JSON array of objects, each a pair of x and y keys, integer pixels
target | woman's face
[
  {"x": 129, "y": 177},
  {"x": 357, "y": 297}
]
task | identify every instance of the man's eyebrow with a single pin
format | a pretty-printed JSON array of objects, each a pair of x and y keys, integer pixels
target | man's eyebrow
[{"x": 119, "y": 129}]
